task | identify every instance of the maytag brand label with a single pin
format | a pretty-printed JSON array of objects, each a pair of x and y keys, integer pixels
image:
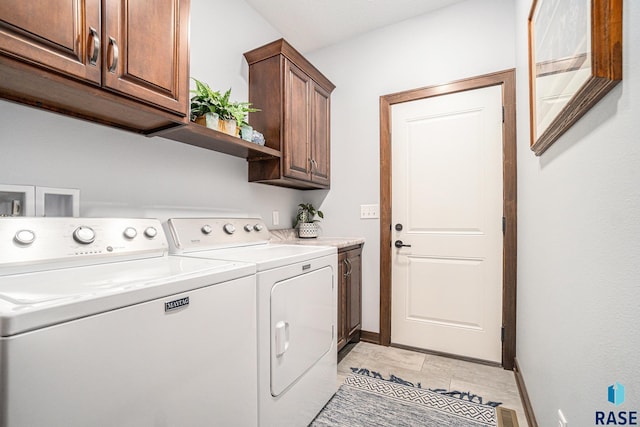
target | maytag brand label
[{"x": 176, "y": 304}]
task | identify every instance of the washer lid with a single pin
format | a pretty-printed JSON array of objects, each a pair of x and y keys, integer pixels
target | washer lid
[
  {"x": 33, "y": 300},
  {"x": 268, "y": 256}
]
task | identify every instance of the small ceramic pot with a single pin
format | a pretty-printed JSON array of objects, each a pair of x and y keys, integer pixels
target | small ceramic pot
[
  {"x": 228, "y": 126},
  {"x": 211, "y": 120},
  {"x": 307, "y": 230},
  {"x": 247, "y": 132}
]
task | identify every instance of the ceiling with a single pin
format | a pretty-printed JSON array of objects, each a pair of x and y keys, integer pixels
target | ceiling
[{"x": 313, "y": 24}]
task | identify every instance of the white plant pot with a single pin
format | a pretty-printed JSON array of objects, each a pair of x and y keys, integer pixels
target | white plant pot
[
  {"x": 307, "y": 230},
  {"x": 246, "y": 132},
  {"x": 212, "y": 120}
]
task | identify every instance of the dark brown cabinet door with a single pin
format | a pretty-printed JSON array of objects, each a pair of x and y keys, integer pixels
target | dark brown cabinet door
[
  {"x": 349, "y": 295},
  {"x": 145, "y": 46},
  {"x": 342, "y": 300},
  {"x": 60, "y": 35},
  {"x": 306, "y": 124},
  {"x": 297, "y": 130},
  {"x": 320, "y": 138},
  {"x": 354, "y": 292}
]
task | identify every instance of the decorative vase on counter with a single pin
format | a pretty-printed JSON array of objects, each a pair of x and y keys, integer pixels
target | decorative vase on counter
[{"x": 307, "y": 230}]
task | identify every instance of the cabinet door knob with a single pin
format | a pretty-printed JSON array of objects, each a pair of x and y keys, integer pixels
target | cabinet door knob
[
  {"x": 96, "y": 46},
  {"x": 116, "y": 54}
]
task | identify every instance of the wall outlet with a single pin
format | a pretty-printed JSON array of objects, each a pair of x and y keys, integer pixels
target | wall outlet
[
  {"x": 369, "y": 211},
  {"x": 562, "y": 420},
  {"x": 275, "y": 218}
]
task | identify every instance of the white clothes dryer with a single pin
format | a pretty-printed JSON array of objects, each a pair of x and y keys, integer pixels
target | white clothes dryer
[{"x": 296, "y": 311}]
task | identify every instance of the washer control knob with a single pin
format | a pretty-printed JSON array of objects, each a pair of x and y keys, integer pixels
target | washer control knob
[
  {"x": 150, "y": 232},
  {"x": 84, "y": 235},
  {"x": 229, "y": 228},
  {"x": 206, "y": 229},
  {"x": 25, "y": 237},
  {"x": 248, "y": 228},
  {"x": 258, "y": 227},
  {"x": 130, "y": 233}
]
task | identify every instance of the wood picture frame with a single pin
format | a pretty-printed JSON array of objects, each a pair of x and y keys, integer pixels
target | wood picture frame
[{"x": 575, "y": 58}]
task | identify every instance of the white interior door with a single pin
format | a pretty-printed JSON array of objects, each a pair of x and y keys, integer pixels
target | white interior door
[{"x": 447, "y": 196}]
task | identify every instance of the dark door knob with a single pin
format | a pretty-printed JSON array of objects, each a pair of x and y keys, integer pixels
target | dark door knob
[
  {"x": 399, "y": 244},
  {"x": 398, "y": 227}
]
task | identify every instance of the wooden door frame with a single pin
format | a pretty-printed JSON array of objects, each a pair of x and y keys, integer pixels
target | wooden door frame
[{"x": 506, "y": 79}]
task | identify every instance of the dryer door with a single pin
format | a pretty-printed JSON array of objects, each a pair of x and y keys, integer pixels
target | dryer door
[{"x": 301, "y": 325}]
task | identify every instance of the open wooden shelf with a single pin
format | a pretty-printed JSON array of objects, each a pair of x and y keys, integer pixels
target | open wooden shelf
[{"x": 203, "y": 137}]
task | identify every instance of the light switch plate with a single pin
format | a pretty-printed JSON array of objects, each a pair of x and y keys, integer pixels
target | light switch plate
[{"x": 369, "y": 211}]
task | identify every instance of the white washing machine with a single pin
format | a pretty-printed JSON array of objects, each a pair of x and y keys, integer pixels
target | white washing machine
[
  {"x": 297, "y": 311},
  {"x": 99, "y": 326}
]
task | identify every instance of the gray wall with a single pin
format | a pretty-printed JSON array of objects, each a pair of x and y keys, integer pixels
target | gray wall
[
  {"x": 461, "y": 41},
  {"x": 578, "y": 248}
]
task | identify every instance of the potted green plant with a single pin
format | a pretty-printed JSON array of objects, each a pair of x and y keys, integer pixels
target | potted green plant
[
  {"x": 306, "y": 223},
  {"x": 216, "y": 108},
  {"x": 239, "y": 111},
  {"x": 205, "y": 104},
  {"x": 225, "y": 113}
]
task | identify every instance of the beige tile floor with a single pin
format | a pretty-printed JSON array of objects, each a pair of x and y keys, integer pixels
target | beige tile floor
[{"x": 432, "y": 371}]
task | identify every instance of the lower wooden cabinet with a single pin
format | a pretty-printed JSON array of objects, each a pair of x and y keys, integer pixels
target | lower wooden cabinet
[{"x": 349, "y": 295}]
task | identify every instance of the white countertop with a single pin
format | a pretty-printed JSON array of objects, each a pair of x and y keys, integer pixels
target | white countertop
[{"x": 290, "y": 237}]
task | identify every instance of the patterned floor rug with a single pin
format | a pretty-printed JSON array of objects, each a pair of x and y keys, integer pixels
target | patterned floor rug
[{"x": 369, "y": 400}]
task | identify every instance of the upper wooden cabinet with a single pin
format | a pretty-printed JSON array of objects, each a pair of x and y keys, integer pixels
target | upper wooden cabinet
[
  {"x": 294, "y": 99},
  {"x": 117, "y": 62}
]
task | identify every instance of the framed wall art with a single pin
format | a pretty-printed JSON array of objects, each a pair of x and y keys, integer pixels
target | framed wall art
[{"x": 575, "y": 58}]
